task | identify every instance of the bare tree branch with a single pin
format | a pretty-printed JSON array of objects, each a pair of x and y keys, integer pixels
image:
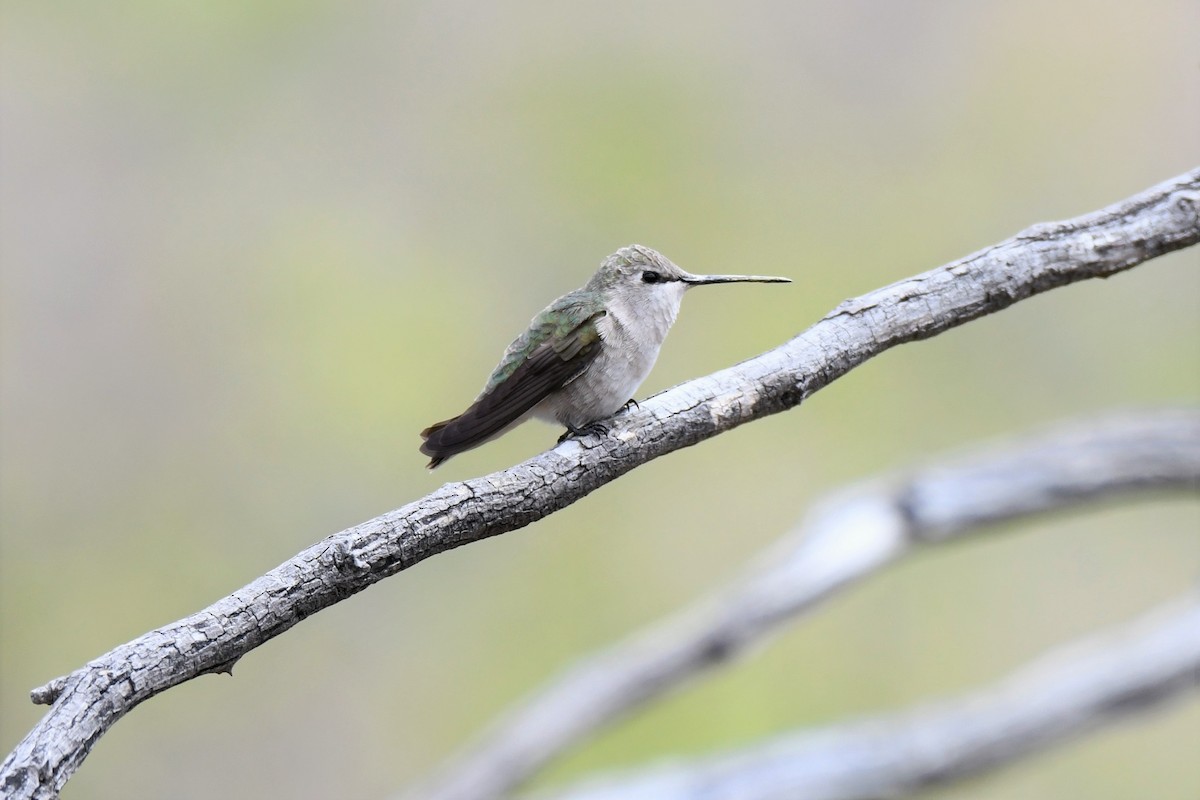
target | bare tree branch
[
  {"x": 1073, "y": 690},
  {"x": 844, "y": 539},
  {"x": 90, "y": 700}
]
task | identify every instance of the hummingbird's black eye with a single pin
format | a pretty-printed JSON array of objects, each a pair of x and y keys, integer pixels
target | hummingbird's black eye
[{"x": 650, "y": 276}]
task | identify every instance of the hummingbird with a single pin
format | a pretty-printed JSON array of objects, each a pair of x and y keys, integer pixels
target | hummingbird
[{"x": 583, "y": 356}]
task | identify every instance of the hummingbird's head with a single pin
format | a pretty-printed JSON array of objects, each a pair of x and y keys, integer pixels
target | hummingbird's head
[
  {"x": 638, "y": 269},
  {"x": 644, "y": 276}
]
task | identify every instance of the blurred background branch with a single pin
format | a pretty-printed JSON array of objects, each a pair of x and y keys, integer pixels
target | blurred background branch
[
  {"x": 1072, "y": 690},
  {"x": 843, "y": 540}
]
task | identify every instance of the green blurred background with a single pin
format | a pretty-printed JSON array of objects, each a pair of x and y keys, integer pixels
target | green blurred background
[{"x": 250, "y": 249}]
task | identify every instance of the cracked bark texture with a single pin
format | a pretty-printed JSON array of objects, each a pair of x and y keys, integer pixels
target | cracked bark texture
[
  {"x": 1068, "y": 692},
  {"x": 851, "y": 535},
  {"x": 90, "y": 700}
]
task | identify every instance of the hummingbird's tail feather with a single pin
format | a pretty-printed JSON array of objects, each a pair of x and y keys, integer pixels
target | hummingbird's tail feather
[
  {"x": 429, "y": 450},
  {"x": 468, "y": 430},
  {"x": 483, "y": 421},
  {"x": 508, "y": 402}
]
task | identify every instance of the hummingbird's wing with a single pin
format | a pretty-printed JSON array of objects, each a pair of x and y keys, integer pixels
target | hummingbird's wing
[{"x": 560, "y": 344}]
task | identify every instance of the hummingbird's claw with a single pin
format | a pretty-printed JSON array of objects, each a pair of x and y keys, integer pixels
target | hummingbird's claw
[
  {"x": 597, "y": 428},
  {"x": 631, "y": 402}
]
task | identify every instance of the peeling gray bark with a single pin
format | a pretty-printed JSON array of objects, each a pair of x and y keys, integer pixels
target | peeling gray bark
[
  {"x": 1071, "y": 691},
  {"x": 90, "y": 700},
  {"x": 844, "y": 539}
]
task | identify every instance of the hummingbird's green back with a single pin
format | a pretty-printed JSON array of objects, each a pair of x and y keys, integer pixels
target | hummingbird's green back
[
  {"x": 557, "y": 347},
  {"x": 567, "y": 326}
]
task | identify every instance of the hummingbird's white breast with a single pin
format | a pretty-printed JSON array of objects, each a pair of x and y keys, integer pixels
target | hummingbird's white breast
[{"x": 632, "y": 332}]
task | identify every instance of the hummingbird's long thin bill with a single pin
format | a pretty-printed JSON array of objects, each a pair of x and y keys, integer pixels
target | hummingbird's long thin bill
[{"x": 701, "y": 280}]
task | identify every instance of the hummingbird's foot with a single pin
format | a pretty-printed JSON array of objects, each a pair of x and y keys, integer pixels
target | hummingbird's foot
[
  {"x": 597, "y": 428},
  {"x": 631, "y": 402}
]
